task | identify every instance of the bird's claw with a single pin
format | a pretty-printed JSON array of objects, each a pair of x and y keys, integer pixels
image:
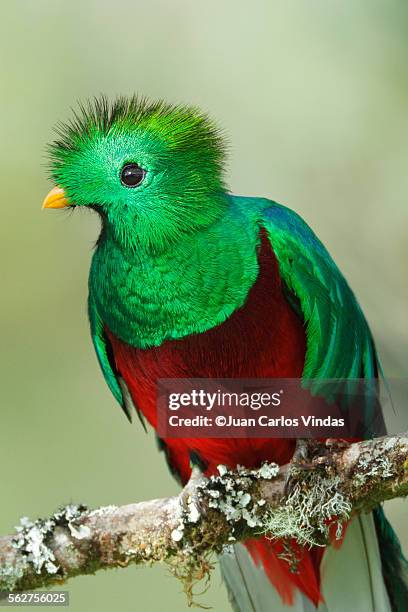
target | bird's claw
[
  {"x": 308, "y": 454},
  {"x": 300, "y": 461},
  {"x": 190, "y": 490},
  {"x": 311, "y": 454}
]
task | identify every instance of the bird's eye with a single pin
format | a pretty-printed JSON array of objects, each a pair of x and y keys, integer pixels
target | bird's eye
[{"x": 132, "y": 175}]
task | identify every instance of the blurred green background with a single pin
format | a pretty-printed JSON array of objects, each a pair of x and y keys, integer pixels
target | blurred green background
[{"x": 314, "y": 98}]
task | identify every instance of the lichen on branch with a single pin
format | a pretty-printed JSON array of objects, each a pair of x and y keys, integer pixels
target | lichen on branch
[{"x": 208, "y": 515}]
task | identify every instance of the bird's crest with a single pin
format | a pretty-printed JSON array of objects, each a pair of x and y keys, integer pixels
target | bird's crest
[{"x": 181, "y": 127}]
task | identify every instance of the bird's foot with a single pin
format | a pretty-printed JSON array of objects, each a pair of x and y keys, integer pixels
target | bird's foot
[
  {"x": 300, "y": 461},
  {"x": 190, "y": 494},
  {"x": 311, "y": 454}
]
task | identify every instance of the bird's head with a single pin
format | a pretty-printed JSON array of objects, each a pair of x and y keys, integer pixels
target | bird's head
[{"x": 152, "y": 171}]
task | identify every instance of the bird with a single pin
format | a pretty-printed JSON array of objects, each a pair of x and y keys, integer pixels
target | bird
[{"x": 188, "y": 280}]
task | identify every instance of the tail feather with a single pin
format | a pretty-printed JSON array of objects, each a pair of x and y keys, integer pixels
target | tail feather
[
  {"x": 302, "y": 572},
  {"x": 351, "y": 577},
  {"x": 250, "y": 590},
  {"x": 394, "y": 564}
]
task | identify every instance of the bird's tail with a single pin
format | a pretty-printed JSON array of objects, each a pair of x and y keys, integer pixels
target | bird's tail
[
  {"x": 257, "y": 580},
  {"x": 394, "y": 565},
  {"x": 349, "y": 577}
]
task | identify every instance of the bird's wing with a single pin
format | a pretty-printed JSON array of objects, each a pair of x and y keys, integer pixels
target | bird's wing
[
  {"x": 106, "y": 360},
  {"x": 339, "y": 341}
]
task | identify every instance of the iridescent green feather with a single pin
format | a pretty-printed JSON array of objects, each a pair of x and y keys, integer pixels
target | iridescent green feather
[
  {"x": 177, "y": 255},
  {"x": 339, "y": 342},
  {"x": 340, "y": 347}
]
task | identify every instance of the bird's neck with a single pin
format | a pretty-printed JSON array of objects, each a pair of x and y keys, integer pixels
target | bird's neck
[{"x": 193, "y": 286}]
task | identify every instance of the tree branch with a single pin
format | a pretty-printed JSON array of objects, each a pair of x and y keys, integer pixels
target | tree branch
[{"x": 339, "y": 480}]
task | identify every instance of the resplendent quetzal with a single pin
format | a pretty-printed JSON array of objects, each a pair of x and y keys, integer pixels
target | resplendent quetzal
[{"x": 188, "y": 280}]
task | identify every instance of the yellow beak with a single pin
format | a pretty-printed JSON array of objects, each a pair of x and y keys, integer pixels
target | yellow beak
[{"x": 56, "y": 198}]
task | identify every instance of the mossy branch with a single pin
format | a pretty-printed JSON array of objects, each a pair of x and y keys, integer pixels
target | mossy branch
[{"x": 337, "y": 481}]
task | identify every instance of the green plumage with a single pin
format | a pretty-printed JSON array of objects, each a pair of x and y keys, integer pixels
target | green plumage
[
  {"x": 394, "y": 564},
  {"x": 177, "y": 253},
  {"x": 147, "y": 297},
  {"x": 179, "y": 148}
]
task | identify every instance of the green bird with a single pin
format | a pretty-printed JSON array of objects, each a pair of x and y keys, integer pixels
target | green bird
[{"x": 190, "y": 281}]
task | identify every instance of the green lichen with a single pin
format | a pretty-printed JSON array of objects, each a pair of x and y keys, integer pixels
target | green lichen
[
  {"x": 12, "y": 575},
  {"x": 229, "y": 498},
  {"x": 33, "y": 541},
  {"x": 379, "y": 466},
  {"x": 313, "y": 505}
]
